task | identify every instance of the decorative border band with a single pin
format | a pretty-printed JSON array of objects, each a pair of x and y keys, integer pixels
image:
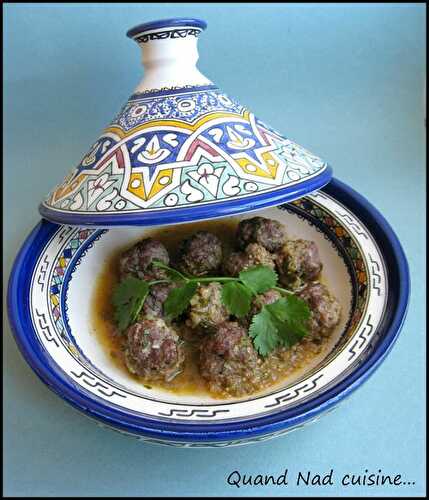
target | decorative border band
[{"x": 163, "y": 35}]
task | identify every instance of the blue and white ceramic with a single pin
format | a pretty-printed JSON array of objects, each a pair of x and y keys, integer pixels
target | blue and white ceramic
[
  {"x": 180, "y": 149},
  {"x": 49, "y": 301}
]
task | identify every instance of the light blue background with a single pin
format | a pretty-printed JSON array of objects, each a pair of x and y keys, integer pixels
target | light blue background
[{"x": 345, "y": 81}]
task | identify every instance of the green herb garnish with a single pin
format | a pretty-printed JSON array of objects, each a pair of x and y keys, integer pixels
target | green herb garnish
[
  {"x": 128, "y": 299},
  {"x": 178, "y": 299},
  {"x": 237, "y": 298},
  {"x": 283, "y": 322},
  {"x": 259, "y": 279}
]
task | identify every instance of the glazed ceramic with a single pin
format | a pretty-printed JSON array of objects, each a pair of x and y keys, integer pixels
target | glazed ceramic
[
  {"x": 180, "y": 149},
  {"x": 50, "y": 297}
]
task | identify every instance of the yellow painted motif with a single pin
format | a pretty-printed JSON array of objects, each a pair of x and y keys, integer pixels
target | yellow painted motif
[
  {"x": 271, "y": 163},
  {"x": 136, "y": 185},
  {"x": 139, "y": 190},
  {"x": 67, "y": 188},
  {"x": 253, "y": 168},
  {"x": 162, "y": 180},
  {"x": 175, "y": 123}
]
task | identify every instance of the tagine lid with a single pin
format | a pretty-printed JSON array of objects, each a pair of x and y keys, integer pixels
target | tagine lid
[{"x": 181, "y": 149}]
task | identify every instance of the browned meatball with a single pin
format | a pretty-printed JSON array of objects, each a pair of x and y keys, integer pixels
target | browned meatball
[
  {"x": 137, "y": 260},
  {"x": 298, "y": 262},
  {"x": 153, "y": 350},
  {"x": 234, "y": 263},
  {"x": 253, "y": 255},
  {"x": 229, "y": 362},
  {"x": 325, "y": 309},
  {"x": 200, "y": 254},
  {"x": 154, "y": 303},
  {"x": 206, "y": 307},
  {"x": 269, "y": 233}
]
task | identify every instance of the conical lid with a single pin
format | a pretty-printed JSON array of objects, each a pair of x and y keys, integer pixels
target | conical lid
[{"x": 181, "y": 149}]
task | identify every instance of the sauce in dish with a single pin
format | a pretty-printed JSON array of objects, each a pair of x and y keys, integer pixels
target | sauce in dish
[{"x": 215, "y": 334}]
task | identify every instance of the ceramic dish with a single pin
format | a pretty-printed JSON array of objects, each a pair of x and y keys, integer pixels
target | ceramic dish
[{"x": 49, "y": 302}]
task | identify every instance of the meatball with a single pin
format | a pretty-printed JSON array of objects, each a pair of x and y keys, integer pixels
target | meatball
[
  {"x": 298, "y": 262},
  {"x": 258, "y": 255},
  {"x": 234, "y": 263},
  {"x": 153, "y": 350},
  {"x": 229, "y": 362},
  {"x": 206, "y": 307},
  {"x": 325, "y": 309},
  {"x": 253, "y": 255},
  {"x": 200, "y": 254},
  {"x": 137, "y": 261},
  {"x": 271, "y": 234},
  {"x": 153, "y": 305}
]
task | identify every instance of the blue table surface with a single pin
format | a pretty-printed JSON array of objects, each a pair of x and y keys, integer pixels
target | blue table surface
[{"x": 345, "y": 81}]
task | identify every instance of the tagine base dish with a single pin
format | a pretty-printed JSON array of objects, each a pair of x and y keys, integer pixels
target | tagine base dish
[{"x": 54, "y": 278}]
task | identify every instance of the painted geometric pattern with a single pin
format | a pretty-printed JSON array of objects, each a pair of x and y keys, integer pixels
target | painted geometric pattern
[
  {"x": 352, "y": 250},
  {"x": 179, "y": 149},
  {"x": 60, "y": 267}
]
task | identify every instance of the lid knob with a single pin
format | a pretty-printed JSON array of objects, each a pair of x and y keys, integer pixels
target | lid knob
[{"x": 169, "y": 52}]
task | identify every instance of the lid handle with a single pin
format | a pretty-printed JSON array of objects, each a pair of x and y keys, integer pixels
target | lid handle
[{"x": 169, "y": 52}]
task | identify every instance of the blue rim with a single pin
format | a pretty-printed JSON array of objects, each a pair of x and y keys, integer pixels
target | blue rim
[
  {"x": 166, "y": 23},
  {"x": 50, "y": 373},
  {"x": 194, "y": 212}
]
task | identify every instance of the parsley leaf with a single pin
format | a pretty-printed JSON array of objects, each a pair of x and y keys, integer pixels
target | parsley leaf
[
  {"x": 178, "y": 299},
  {"x": 296, "y": 324},
  {"x": 298, "y": 313},
  {"x": 283, "y": 322},
  {"x": 264, "y": 333},
  {"x": 237, "y": 298},
  {"x": 259, "y": 278},
  {"x": 128, "y": 298}
]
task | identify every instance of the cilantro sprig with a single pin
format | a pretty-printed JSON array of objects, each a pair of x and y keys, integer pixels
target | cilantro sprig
[
  {"x": 282, "y": 323},
  {"x": 128, "y": 299}
]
